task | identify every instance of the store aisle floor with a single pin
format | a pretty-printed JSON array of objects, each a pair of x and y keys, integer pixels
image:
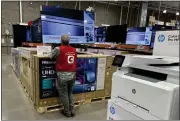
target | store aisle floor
[{"x": 16, "y": 105}]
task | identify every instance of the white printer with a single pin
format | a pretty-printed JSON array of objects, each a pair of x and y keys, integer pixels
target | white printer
[{"x": 147, "y": 88}]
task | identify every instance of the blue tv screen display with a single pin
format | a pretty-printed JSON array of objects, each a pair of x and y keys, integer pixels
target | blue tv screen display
[
  {"x": 139, "y": 36},
  {"x": 28, "y": 35},
  {"x": 78, "y": 24},
  {"x": 100, "y": 34}
]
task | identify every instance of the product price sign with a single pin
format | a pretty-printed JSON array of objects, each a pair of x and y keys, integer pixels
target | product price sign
[
  {"x": 47, "y": 78},
  {"x": 166, "y": 43}
]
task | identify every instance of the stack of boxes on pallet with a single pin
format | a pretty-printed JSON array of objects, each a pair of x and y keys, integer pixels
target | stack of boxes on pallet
[
  {"x": 85, "y": 92},
  {"x": 26, "y": 72},
  {"x": 16, "y": 61},
  {"x": 38, "y": 76},
  {"x": 109, "y": 72}
]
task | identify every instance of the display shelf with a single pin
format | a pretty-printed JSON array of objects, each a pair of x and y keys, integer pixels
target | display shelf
[
  {"x": 130, "y": 49},
  {"x": 28, "y": 44},
  {"x": 100, "y": 45}
]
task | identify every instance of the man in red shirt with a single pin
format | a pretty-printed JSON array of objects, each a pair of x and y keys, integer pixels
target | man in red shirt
[{"x": 66, "y": 59}]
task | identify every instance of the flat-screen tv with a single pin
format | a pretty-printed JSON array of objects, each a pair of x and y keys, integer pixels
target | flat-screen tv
[
  {"x": 139, "y": 36},
  {"x": 116, "y": 33},
  {"x": 100, "y": 34},
  {"x": 35, "y": 31},
  {"x": 19, "y": 34},
  {"x": 28, "y": 35},
  {"x": 79, "y": 25}
]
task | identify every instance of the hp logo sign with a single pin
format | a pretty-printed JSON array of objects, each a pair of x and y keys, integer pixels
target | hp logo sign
[
  {"x": 112, "y": 110},
  {"x": 161, "y": 38},
  {"x": 134, "y": 91}
]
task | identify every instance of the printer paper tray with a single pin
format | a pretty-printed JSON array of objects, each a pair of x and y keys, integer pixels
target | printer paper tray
[{"x": 134, "y": 109}]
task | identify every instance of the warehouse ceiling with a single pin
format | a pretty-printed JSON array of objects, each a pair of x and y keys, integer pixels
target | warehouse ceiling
[
  {"x": 171, "y": 6},
  {"x": 168, "y": 4}
]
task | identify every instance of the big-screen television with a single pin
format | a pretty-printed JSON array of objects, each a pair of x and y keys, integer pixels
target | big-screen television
[
  {"x": 116, "y": 33},
  {"x": 79, "y": 25},
  {"x": 19, "y": 34},
  {"x": 139, "y": 36},
  {"x": 100, "y": 34}
]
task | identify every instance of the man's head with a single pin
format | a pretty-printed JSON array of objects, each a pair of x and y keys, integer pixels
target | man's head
[{"x": 65, "y": 39}]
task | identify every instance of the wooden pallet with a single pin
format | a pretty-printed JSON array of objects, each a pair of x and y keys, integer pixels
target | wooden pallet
[
  {"x": 26, "y": 92},
  {"x": 98, "y": 99},
  {"x": 55, "y": 107},
  {"x": 24, "y": 88}
]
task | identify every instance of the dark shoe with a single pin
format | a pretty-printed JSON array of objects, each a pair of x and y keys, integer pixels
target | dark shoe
[
  {"x": 65, "y": 114},
  {"x": 73, "y": 113}
]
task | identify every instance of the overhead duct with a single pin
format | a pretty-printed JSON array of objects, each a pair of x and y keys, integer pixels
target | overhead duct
[
  {"x": 20, "y": 11},
  {"x": 143, "y": 14}
]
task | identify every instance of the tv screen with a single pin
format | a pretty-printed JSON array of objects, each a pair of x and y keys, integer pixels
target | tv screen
[
  {"x": 116, "y": 33},
  {"x": 19, "y": 34},
  {"x": 78, "y": 24},
  {"x": 100, "y": 34},
  {"x": 139, "y": 36},
  {"x": 28, "y": 35},
  {"x": 36, "y": 36}
]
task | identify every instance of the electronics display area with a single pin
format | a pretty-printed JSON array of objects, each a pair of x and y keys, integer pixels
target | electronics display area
[
  {"x": 139, "y": 36},
  {"x": 78, "y": 24}
]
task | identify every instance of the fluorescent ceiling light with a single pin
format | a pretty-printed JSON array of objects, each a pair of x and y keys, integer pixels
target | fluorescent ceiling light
[
  {"x": 23, "y": 24},
  {"x": 164, "y": 11},
  {"x": 105, "y": 25},
  {"x": 177, "y": 13}
]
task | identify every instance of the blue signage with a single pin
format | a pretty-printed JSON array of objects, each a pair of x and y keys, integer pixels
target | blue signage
[
  {"x": 112, "y": 110},
  {"x": 161, "y": 38}
]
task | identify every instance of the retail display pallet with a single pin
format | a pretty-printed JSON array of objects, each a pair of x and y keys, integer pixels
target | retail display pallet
[
  {"x": 26, "y": 92},
  {"x": 24, "y": 88},
  {"x": 55, "y": 107},
  {"x": 97, "y": 99},
  {"x": 76, "y": 104}
]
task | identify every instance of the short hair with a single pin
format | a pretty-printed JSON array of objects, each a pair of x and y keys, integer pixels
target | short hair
[{"x": 65, "y": 39}]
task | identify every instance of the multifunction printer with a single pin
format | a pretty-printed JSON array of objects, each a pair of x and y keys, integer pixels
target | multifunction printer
[{"x": 145, "y": 87}]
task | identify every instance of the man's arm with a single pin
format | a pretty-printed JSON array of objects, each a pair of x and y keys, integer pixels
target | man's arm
[{"x": 55, "y": 53}]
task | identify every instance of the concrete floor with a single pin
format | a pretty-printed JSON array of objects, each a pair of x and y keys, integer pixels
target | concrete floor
[{"x": 16, "y": 106}]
